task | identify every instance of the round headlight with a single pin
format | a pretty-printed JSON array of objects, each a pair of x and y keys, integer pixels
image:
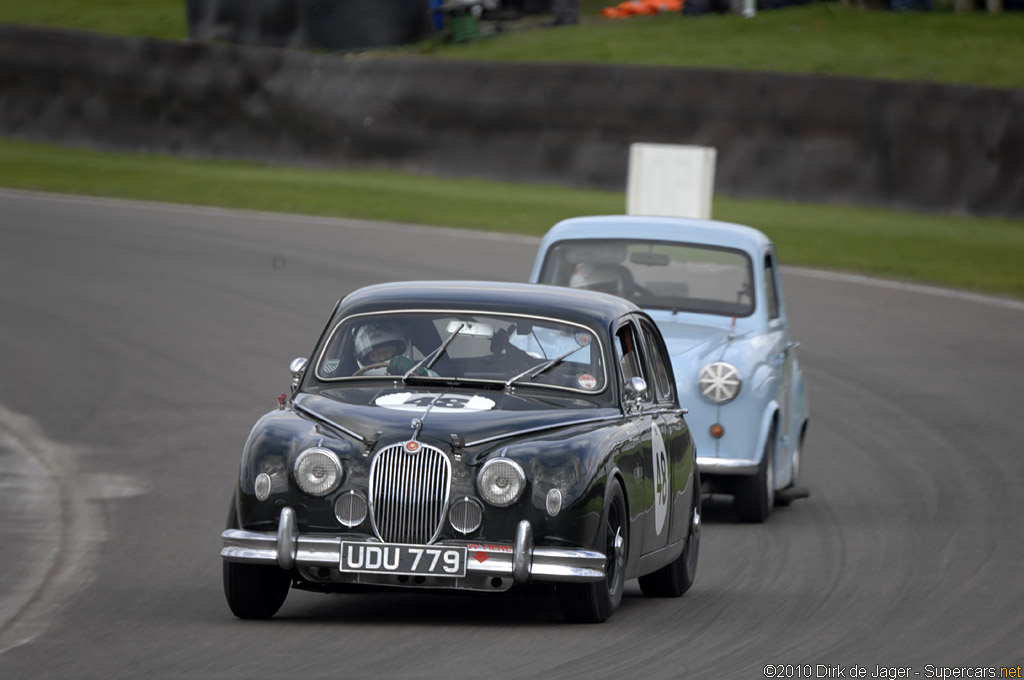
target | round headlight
[
  {"x": 719, "y": 382},
  {"x": 501, "y": 481},
  {"x": 317, "y": 471}
]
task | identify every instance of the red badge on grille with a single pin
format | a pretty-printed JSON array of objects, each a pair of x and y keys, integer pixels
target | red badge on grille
[{"x": 412, "y": 447}]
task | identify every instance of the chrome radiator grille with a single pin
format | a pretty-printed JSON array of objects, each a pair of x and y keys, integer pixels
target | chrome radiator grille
[{"x": 409, "y": 492}]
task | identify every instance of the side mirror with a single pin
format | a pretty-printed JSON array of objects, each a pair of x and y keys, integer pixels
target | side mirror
[
  {"x": 297, "y": 367},
  {"x": 636, "y": 389}
]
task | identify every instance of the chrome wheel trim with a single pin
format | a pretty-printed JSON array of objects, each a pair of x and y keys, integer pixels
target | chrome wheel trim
[
  {"x": 693, "y": 542},
  {"x": 795, "y": 477},
  {"x": 616, "y": 550}
]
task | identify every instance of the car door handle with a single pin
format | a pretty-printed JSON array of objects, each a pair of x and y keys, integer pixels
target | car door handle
[{"x": 781, "y": 356}]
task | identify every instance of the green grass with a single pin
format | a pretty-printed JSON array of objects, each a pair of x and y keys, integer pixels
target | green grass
[
  {"x": 976, "y": 254},
  {"x": 147, "y": 18},
  {"x": 821, "y": 38}
]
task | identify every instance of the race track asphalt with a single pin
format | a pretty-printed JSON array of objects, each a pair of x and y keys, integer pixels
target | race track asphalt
[{"x": 139, "y": 343}]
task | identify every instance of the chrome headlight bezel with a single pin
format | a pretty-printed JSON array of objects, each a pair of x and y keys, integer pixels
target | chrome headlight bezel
[
  {"x": 332, "y": 469},
  {"x": 719, "y": 382},
  {"x": 489, "y": 486}
]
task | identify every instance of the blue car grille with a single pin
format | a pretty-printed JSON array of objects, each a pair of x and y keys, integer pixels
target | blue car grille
[{"x": 409, "y": 493}]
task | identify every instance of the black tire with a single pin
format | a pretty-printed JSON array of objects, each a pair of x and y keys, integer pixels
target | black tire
[
  {"x": 253, "y": 591},
  {"x": 676, "y": 578},
  {"x": 595, "y": 602},
  {"x": 785, "y": 501},
  {"x": 755, "y": 495}
]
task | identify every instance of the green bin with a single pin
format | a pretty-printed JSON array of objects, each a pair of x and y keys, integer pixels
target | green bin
[{"x": 464, "y": 25}]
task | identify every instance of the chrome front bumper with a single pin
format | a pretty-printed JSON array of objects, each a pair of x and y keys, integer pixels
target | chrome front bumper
[
  {"x": 727, "y": 466},
  {"x": 521, "y": 562}
]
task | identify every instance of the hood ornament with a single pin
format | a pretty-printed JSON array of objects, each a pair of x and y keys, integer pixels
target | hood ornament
[{"x": 417, "y": 425}]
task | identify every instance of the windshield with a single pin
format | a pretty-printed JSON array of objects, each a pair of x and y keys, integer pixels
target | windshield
[
  {"x": 459, "y": 346},
  {"x": 656, "y": 274}
]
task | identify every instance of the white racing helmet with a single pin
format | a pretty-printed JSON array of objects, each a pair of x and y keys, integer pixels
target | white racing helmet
[
  {"x": 375, "y": 336},
  {"x": 605, "y": 278}
]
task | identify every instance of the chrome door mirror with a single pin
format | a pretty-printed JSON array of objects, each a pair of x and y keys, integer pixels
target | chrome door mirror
[
  {"x": 297, "y": 367},
  {"x": 636, "y": 390}
]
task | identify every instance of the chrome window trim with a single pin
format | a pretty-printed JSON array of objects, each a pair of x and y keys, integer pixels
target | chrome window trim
[{"x": 588, "y": 329}]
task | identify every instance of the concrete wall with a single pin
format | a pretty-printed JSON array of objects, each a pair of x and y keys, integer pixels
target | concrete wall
[{"x": 919, "y": 146}]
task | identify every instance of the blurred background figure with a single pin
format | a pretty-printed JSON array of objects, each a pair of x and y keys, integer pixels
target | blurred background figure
[{"x": 565, "y": 12}]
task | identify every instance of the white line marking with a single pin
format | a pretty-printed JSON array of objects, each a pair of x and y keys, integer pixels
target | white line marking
[
  {"x": 60, "y": 543},
  {"x": 344, "y": 222},
  {"x": 351, "y": 223},
  {"x": 917, "y": 288}
]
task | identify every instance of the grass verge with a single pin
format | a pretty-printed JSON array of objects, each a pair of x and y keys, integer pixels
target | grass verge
[
  {"x": 821, "y": 38},
  {"x": 976, "y": 254},
  {"x": 825, "y": 38},
  {"x": 163, "y": 19}
]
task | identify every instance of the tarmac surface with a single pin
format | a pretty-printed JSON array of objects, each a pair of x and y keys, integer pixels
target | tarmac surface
[{"x": 140, "y": 342}]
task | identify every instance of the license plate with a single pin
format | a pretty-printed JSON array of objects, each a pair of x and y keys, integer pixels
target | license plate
[{"x": 408, "y": 560}]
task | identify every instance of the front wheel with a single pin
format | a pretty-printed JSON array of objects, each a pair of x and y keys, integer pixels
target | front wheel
[
  {"x": 755, "y": 495},
  {"x": 253, "y": 591},
  {"x": 595, "y": 602},
  {"x": 676, "y": 578},
  {"x": 781, "y": 500}
]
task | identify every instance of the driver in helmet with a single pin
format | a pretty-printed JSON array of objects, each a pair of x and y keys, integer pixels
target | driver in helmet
[
  {"x": 379, "y": 347},
  {"x": 604, "y": 278},
  {"x": 383, "y": 347}
]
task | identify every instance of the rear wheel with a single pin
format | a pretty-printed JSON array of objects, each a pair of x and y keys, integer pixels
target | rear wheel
[
  {"x": 253, "y": 591},
  {"x": 755, "y": 495},
  {"x": 674, "y": 579},
  {"x": 595, "y": 602}
]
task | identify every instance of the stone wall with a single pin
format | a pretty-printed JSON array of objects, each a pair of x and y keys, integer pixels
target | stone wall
[{"x": 907, "y": 145}]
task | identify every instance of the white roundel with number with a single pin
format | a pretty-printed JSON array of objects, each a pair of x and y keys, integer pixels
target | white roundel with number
[
  {"x": 453, "y": 403},
  {"x": 661, "y": 478}
]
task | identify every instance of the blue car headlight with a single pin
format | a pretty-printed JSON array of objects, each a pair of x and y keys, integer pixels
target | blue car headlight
[{"x": 719, "y": 382}]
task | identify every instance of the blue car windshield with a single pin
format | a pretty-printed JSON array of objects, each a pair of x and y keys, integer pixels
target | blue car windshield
[
  {"x": 681, "y": 277},
  {"x": 459, "y": 346}
]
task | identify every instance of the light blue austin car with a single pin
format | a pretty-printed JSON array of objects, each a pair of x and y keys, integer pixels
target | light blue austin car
[{"x": 713, "y": 289}]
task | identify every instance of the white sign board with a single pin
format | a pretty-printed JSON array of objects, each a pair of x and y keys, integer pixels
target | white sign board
[{"x": 669, "y": 179}]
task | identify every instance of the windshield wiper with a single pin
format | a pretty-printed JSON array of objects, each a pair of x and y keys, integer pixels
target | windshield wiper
[
  {"x": 432, "y": 358},
  {"x": 542, "y": 368}
]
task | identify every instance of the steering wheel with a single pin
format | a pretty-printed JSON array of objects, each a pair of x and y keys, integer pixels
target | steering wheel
[{"x": 379, "y": 364}]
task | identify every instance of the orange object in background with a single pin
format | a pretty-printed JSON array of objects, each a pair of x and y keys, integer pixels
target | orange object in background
[{"x": 632, "y": 8}]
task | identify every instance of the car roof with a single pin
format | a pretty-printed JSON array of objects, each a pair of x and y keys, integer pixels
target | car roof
[
  {"x": 642, "y": 227},
  {"x": 570, "y": 304}
]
